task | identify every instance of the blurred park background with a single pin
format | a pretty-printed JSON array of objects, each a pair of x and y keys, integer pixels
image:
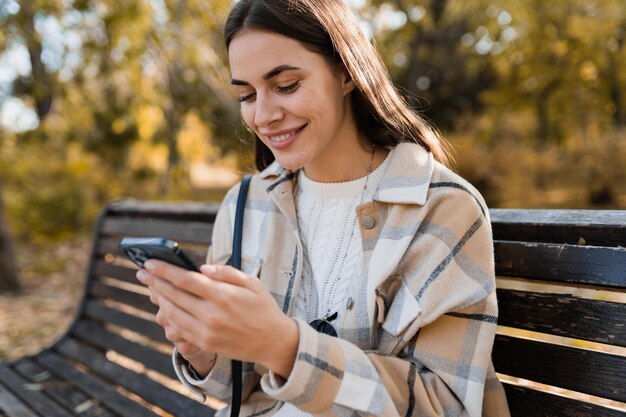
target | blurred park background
[{"x": 103, "y": 99}]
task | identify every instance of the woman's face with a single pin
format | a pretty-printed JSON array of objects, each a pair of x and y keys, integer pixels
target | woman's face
[{"x": 294, "y": 100}]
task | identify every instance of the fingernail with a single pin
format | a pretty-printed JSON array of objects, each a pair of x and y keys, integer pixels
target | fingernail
[
  {"x": 209, "y": 269},
  {"x": 149, "y": 265},
  {"x": 142, "y": 275}
]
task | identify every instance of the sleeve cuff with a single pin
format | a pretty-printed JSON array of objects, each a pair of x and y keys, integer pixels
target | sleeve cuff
[
  {"x": 188, "y": 376},
  {"x": 293, "y": 387}
]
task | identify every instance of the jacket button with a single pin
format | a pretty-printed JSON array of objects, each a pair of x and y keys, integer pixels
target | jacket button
[{"x": 368, "y": 222}]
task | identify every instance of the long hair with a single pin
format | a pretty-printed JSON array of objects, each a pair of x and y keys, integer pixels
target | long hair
[{"x": 330, "y": 28}]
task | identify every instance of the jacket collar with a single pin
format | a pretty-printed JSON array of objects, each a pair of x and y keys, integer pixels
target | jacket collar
[
  {"x": 405, "y": 181},
  {"x": 408, "y": 175}
]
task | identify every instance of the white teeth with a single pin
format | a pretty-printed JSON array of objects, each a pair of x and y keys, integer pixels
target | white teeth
[{"x": 281, "y": 138}]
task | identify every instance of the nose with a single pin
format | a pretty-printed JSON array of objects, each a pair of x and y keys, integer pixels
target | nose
[{"x": 267, "y": 111}]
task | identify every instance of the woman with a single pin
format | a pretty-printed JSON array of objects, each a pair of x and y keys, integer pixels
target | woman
[{"x": 354, "y": 224}]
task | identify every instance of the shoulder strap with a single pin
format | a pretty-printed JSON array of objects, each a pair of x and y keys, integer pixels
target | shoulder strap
[{"x": 235, "y": 261}]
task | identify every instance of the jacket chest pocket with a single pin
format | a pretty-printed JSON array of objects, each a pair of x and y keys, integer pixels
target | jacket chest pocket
[{"x": 397, "y": 308}]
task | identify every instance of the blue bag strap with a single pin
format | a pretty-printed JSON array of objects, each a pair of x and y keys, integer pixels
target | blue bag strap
[{"x": 235, "y": 262}]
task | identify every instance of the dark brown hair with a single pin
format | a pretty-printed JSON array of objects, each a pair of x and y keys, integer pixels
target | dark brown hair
[{"x": 329, "y": 27}]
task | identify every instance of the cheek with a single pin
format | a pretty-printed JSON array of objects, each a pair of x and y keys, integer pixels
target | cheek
[{"x": 247, "y": 114}]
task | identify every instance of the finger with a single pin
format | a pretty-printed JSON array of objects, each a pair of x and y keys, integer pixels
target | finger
[
  {"x": 189, "y": 281},
  {"x": 181, "y": 298},
  {"x": 148, "y": 279},
  {"x": 154, "y": 297},
  {"x": 229, "y": 275},
  {"x": 182, "y": 325}
]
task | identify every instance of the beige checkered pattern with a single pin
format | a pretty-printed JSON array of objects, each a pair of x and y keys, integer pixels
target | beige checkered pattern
[{"x": 418, "y": 339}]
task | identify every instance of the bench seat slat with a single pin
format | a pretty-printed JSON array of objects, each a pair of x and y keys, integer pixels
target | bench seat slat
[
  {"x": 193, "y": 232},
  {"x": 579, "y": 370},
  {"x": 133, "y": 299},
  {"x": 95, "y": 387},
  {"x": 35, "y": 399},
  {"x": 12, "y": 406},
  {"x": 107, "y": 314},
  {"x": 61, "y": 391},
  {"x": 600, "y": 266},
  {"x": 527, "y": 402},
  {"x": 106, "y": 340},
  {"x": 563, "y": 315},
  {"x": 141, "y": 385}
]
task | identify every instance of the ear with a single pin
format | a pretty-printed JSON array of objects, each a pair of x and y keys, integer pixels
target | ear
[{"x": 347, "y": 82}]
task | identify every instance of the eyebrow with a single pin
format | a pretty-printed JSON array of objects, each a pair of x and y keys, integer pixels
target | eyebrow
[{"x": 271, "y": 74}]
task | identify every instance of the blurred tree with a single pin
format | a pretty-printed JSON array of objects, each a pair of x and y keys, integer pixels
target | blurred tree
[
  {"x": 563, "y": 65},
  {"x": 186, "y": 47},
  {"x": 615, "y": 53},
  {"x": 37, "y": 88},
  {"x": 423, "y": 45},
  {"x": 9, "y": 280}
]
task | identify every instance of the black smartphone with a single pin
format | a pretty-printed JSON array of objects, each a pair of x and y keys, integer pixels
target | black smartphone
[{"x": 140, "y": 249}]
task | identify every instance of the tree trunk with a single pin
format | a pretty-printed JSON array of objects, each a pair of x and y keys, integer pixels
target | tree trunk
[
  {"x": 9, "y": 281},
  {"x": 615, "y": 92},
  {"x": 42, "y": 82}
]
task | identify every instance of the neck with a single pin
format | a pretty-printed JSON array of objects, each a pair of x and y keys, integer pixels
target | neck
[{"x": 349, "y": 165}]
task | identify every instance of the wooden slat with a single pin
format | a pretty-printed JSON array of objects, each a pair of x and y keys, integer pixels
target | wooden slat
[
  {"x": 193, "y": 232},
  {"x": 139, "y": 301},
  {"x": 142, "y": 326},
  {"x": 121, "y": 273},
  {"x": 62, "y": 391},
  {"x": 11, "y": 406},
  {"x": 106, "y": 340},
  {"x": 579, "y": 370},
  {"x": 95, "y": 387},
  {"x": 562, "y": 263},
  {"x": 188, "y": 210},
  {"x": 527, "y": 402},
  {"x": 596, "y": 227},
  {"x": 563, "y": 315},
  {"x": 146, "y": 388},
  {"x": 35, "y": 399}
]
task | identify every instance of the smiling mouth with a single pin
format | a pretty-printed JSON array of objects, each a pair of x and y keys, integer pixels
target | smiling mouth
[{"x": 285, "y": 136}]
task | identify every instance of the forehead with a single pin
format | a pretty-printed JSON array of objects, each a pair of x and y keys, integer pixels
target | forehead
[{"x": 253, "y": 53}]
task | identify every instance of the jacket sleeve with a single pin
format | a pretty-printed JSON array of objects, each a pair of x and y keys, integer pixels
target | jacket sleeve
[
  {"x": 435, "y": 331},
  {"x": 218, "y": 383}
]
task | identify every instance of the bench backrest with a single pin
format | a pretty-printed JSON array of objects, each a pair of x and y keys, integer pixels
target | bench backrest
[
  {"x": 550, "y": 283},
  {"x": 117, "y": 318},
  {"x": 562, "y": 301}
]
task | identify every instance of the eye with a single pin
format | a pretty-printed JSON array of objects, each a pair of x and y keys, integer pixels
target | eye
[
  {"x": 247, "y": 98},
  {"x": 288, "y": 88}
]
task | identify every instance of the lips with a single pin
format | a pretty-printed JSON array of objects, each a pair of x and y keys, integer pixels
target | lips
[{"x": 282, "y": 139}]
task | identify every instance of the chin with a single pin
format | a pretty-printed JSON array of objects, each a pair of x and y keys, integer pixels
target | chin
[{"x": 291, "y": 164}]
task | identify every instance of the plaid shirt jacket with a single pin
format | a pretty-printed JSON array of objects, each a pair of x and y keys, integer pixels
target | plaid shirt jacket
[{"x": 418, "y": 339}]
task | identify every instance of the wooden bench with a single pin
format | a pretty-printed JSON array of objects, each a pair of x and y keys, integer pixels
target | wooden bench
[{"x": 561, "y": 275}]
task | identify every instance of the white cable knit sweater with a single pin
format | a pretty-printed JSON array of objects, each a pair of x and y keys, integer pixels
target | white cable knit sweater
[{"x": 332, "y": 248}]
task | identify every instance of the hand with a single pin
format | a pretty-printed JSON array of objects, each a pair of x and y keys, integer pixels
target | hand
[
  {"x": 201, "y": 361},
  {"x": 222, "y": 310}
]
